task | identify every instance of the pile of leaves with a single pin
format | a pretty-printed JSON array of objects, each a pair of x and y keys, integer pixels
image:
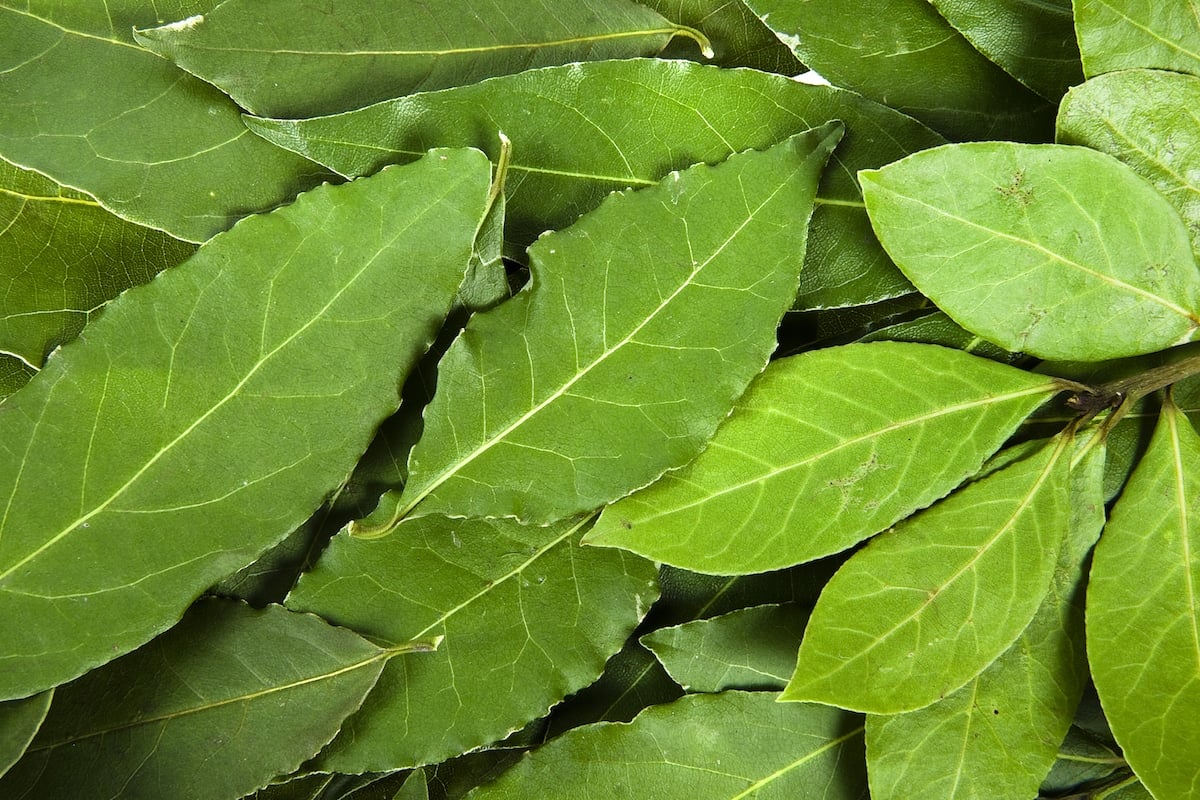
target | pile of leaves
[{"x": 538, "y": 399}]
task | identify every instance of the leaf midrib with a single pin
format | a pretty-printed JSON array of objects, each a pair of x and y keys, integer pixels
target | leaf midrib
[
  {"x": 1181, "y": 499},
  {"x": 804, "y": 759}
]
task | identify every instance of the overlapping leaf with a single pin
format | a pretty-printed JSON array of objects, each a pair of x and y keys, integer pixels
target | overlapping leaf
[
  {"x": 14, "y": 373},
  {"x": 726, "y": 745},
  {"x": 574, "y": 142},
  {"x": 527, "y": 615},
  {"x": 1147, "y": 119},
  {"x": 620, "y": 359},
  {"x": 937, "y": 328},
  {"x": 903, "y": 53},
  {"x": 1038, "y": 247},
  {"x": 997, "y": 737},
  {"x": 19, "y": 721},
  {"x": 925, "y": 607},
  {"x": 824, "y": 450},
  {"x": 737, "y": 37},
  {"x": 215, "y": 708},
  {"x": 81, "y": 103},
  {"x": 1143, "y": 623},
  {"x": 205, "y": 416},
  {"x": 1128, "y": 34},
  {"x": 62, "y": 257},
  {"x": 293, "y": 58}
]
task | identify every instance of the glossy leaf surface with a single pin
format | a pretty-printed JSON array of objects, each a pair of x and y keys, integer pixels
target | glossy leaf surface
[
  {"x": 19, "y": 721},
  {"x": 997, "y": 737},
  {"x": 207, "y": 414},
  {"x": 925, "y": 607},
  {"x": 215, "y": 708},
  {"x": 726, "y": 745},
  {"x": 903, "y": 53},
  {"x": 825, "y": 449},
  {"x": 62, "y": 257},
  {"x": 289, "y": 58},
  {"x": 1128, "y": 34},
  {"x": 1147, "y": 119},
  {"x": 82, "y": 104},
  {"x": 618, "y": 361},
  {"x": 738, "y": 38},
  {"x": 1143, "y": 626},
  {"x": 527, "y": 615},
  {"x": 573, "y": 144},
  {"x": 752, "y": 648},
  {"x": 1037, "y": 247}
]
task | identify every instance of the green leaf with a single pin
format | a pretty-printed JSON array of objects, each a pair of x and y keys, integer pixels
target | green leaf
[
  {"x": 752, "y": 648},
  {"x": 1032, "y": 40},
  {"x": 573, "y": 145},
  {"x": 14, "y": 374},
  {"x": 997, "y": 737},
  {"x": 62, "y": 257},
  {"x": 618, "y": 362},
  {"x": 937, "y": 328},
  {"x": 904, "y": 54},
  {"x": 19, "y": 721},
  {"x": 528, "y": 617},
  {"x": 738, "y": 38},
  {"x": 215, "y": 708},
  {"x": 205, "y": 415},
  {"x": 291, "y": 58},
  {"x": 726, "y": 745},
  {"x": 925, "y": 607},
  {"x": 1037, "y": 247},
  {"x": 1143, "y": 626},
  {"x": 825, "y": 449},
  {"x": 688, "y": 596},
  {"x": 82, "y": 104},
  {"x": 1081, "y": 760},
  {"x": 1146, "y": 119},
  {"x": 1127, "y": 34}
]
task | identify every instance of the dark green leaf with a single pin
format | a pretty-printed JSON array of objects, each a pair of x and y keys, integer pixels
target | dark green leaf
[
  {"x": 1127, "y": 34},
  {"x": 528, "y": 617},
  {"x": 938, "y": 328},
  {"x": 574, "y": 143},
  {"x": 206, "y": 415},
  {"x": 1081, "y": 760},
  {"x": 1038, "y": 247},
  {"x": 737, "y": 37},
  {"x": 14, "y": 373},
  {"x": 925, "y": 607},
  {"x": 19, "y": 721},
  {"x": 215, "y": 708},
  {"x": 825, "y": 449}
]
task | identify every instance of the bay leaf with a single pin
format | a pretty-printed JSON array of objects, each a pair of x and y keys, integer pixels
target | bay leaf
[
  {"x": 998, "y": 736},
  {"x": 726, "y": 745},
  {"x": 14, "y": 374},
  {"x": 1143, "y": 627},
  {"x": 750, "y": 649},
  {"x": 618, "y": 361},
  {"x": 738, "y": 38},
  {"x": 1130, "y": 34},
  {"x": 825, "y": 449},
  {"x": 84, "y": 105},
  {"x": 291, "y": 58},
  {"x": 574, "y": 143},
  {"x": 62, "y": 257},
  {"x": 213, "y": 709},
  {"x": 1145, "y": 118},
  {"x": 527, "y": 618},
  {"x": 906, "y": 55},
  {"x": 19, "y": 721},
  {"x": 207, "y": 414},
  {"x": 925, "y": 607},
  {"x": 1082, "y": 759},
  {"x": 1037, "y": 247},
  {"x": 937, "y": 328}
]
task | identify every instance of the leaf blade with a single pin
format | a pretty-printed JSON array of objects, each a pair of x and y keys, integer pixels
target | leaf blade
[{"x": 1131, "y": 34}]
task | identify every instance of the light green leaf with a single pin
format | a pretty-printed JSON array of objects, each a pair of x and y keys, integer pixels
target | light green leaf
[
  {"x": 215, "y": 708},
  {"x": 925, "y": 607},
  {"x": 528, "y": 617},
  {"x": 937, "y": 328},
  {"x": 414, "y": 788},
  {"x": 1032, "y": 40},
  {"x": 904, "y": 54},
  {"x": 737, "y": 37},
  {"x": 1128, "y": 34},
  {"x": 618, "y": 362},
  {"x": 19, "y": 721},
  {"x": 62, "y": 257},
  {"x": 752, "y": 648},
  {"x": 825, "y": 449},
  {"x": 97, "y": 113},
  {"x": 1143, "y": 623},
  {"x": 206, "y": 415},
  {"x": 14, "y": 374},
  {"x": 1038, "y": 247},
  {"x": 574, "y": 143},
  {"x": 1147, "y": 119},
  {"x": 726, "y": 745},
  {"x": 997, "y": 737},
  {"x": 291, "y": 58}
]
